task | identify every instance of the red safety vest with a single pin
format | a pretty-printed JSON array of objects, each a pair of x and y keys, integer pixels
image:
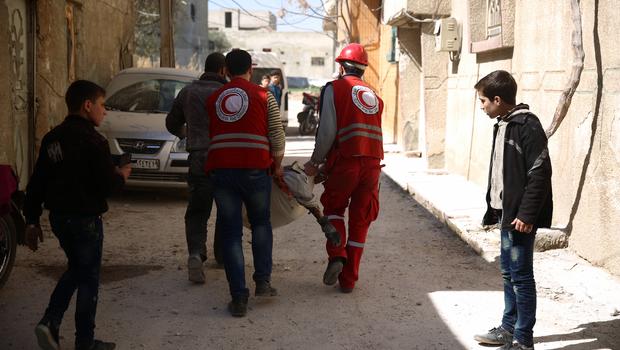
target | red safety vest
[
  {"x": 358, "y": 114},
  {"x": 238, "y": 127}
]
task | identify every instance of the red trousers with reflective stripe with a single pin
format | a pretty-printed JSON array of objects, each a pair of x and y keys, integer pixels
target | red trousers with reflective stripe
[{"x": 352, "y": 183}]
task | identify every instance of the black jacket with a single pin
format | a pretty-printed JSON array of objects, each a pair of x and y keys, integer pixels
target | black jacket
[
  {"x": 527, "y": 173},
  {"x": 74, "y": 173},
  {"x": 189, "y": 108}
]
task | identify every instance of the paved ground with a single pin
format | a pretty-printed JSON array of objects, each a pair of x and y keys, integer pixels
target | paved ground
[{"x": 421, "y": 287}]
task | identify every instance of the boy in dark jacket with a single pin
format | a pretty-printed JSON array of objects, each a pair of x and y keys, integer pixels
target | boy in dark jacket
[
  {"x": 519, "y": 200},
  {"x": 73, "y": 176}
]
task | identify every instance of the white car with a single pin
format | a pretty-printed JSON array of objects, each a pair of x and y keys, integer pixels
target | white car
[{"x": 137, "y": 104}]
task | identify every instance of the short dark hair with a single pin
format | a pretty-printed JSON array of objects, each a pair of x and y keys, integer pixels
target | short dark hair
[
  {"x": 215, "y": 62},
  {"x": 264, "y": 77},
  {"x": 350, "y": 68},
  {"x": 498, "y": 83},
  {"x": 274, "y": 73},
  {"x": 79, "y": 92},
  {"x": 238, "y": 62}
]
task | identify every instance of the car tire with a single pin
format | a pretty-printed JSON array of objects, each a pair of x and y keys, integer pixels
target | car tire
[{"x": 8, "y": 247}]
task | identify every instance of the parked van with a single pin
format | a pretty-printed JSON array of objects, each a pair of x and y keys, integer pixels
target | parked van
[{"x": 264, "y": 63}]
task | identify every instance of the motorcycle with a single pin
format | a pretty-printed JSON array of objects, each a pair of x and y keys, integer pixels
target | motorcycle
[
  {"x": 12, "y": 223},
  {"x": 308, "y": 118}
]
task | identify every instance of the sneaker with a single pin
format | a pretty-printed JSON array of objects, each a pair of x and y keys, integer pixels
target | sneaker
[
  {"x": 47, "y": 335},
  {"x": 264, "y": 289},
  {"x": 194, "y": 269},
  {"x": 97, "y": 345},
  {"x": 515, "y": 346},
  {"x": 238, "y": 307},
  {"x": 334, "y": 268},
  {"x": 495, "y": 336}
]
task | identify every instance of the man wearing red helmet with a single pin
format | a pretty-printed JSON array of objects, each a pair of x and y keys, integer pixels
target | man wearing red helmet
[{"x": 349, "y": 143}]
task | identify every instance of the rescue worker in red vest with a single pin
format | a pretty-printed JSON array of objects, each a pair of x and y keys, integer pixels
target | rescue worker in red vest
[
  {"x": 247, "y": 139},
  {"x": 349, "y": 144}
]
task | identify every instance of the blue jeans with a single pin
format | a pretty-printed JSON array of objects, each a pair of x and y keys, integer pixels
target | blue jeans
[
  {"x": 81, "y": 238},
  {"x": 232, "y": 188},
  {"x": 516, "y": 264},
  {"x": 199, "y": 209}
]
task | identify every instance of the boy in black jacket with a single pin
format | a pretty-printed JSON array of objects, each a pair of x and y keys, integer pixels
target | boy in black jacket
[
  {"x": 519, "y": 199},
  {"x": 73, "y": 176}
]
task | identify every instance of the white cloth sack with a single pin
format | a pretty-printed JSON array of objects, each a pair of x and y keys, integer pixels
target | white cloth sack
[{"x": 284, "y": 208}]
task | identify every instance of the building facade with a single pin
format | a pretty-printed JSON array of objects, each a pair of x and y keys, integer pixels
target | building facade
[
  {"x": 440, "y": 116},
  {"x": 307, "y": 54}
]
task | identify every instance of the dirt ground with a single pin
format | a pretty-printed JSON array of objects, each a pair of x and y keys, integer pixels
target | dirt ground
[{"x": 420, "y": 288}]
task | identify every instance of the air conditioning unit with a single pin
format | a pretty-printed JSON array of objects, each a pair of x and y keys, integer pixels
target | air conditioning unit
[{"x": 447, "y": 36}]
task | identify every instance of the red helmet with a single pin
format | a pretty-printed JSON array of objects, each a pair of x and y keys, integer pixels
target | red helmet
[{"x": 354, "y": 53}]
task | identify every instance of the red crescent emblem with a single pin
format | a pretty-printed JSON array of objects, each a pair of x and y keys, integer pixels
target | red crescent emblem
[
  {"x": 360, "y": 98},
  {"x": 223, "y": 105}
]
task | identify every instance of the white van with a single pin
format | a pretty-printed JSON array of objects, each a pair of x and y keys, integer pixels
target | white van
[{"x": 263, "y": 63}]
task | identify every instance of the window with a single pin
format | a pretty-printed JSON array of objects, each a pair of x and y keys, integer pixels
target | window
[
  {"x": 317, "y": 61},
  {"x": 149, "y": 96},
  {"x": 391, "y": 56},
  {"x": 494, "y": 18},
  {"x": 228, "y": 19}
]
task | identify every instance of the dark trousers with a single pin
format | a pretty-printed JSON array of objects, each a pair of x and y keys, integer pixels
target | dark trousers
[
  {"x": 199, "y": 209},
  {"x": 517, "y": 267},
  {"x": 233, "y": 188},
  {"x": 81, "y": 238}
]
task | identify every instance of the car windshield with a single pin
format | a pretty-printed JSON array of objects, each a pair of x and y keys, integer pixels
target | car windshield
[{"x": 148, "y": 96}]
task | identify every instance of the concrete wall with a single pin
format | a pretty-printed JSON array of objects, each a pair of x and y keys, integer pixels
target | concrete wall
[
  {"x": 191, "y": 41},
  {"x": 295, "y": 49},
  {"x": 102, "y": 43},
  {"x": 263, "y": 20},
  {"x": 7, "y": 154},
  {"x": 409, "y": 86},
  {"x": 388, "y": 87},
  {"x": 586, "y": 165}
]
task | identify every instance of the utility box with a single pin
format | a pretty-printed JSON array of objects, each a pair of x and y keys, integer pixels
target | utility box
[{"x": 447, "y": 36}]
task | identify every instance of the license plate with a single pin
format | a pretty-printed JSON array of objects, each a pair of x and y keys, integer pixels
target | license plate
[{"x": 147, "y": 164}]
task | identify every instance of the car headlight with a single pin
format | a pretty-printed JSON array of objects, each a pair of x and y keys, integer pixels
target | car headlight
[{"x": 179, "y": 146}]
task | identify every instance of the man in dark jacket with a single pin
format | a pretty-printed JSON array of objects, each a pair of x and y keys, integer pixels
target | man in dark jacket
[
  {"x": 188, "y": 119},
  {"x": 519, "y": 199},
  {"x": 73, "y": 176}
]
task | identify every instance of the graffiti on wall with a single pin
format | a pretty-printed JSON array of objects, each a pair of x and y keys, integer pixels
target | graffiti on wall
[{"x": 19, "y": 86}]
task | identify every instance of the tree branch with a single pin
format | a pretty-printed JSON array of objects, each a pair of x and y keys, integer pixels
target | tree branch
[{"x": 578, "y": 58}]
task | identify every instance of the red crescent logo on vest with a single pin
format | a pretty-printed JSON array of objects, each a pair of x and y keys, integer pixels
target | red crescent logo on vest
[
  {"x": 365, "y": 99},
  {"x": 231, "y": 105}
]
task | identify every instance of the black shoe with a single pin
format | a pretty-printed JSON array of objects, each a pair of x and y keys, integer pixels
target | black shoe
[
  {"x": 238, "y": 307},
  {"x": 264, "y": 289},
  {"x": 97, "y": 345},
  {"x": 334, "y": 268},
  {"x": 47, "y": 335}
]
